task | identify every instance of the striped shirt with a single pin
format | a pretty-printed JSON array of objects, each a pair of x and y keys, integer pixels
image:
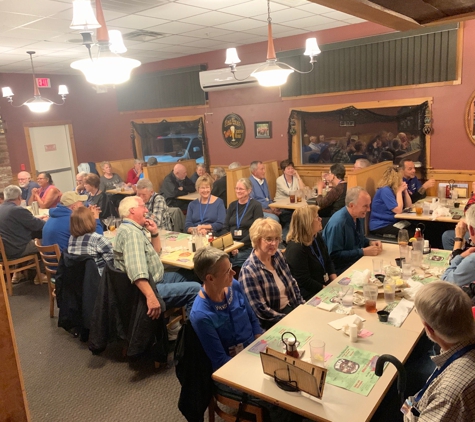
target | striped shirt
[
  {"x": 134, "y": 253},
  {"x": 92, "y": 244},
  {"x": 158, "y": 207}
]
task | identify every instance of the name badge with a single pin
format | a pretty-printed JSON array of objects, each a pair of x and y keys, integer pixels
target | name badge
[
  {"x": 234, "y": 350},
  {"x": 326, "y": 278},
  {"x": 237, "y": 233}
]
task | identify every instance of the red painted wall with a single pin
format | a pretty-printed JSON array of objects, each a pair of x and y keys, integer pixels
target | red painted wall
[{"x": 101, "y": 132}]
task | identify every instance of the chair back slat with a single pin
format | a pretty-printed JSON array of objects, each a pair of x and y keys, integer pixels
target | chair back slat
[
  {"x": 2, "y": 251},
  {"x": 50, "y": 256}
]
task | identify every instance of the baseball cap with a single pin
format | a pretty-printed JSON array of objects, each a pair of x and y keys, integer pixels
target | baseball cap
[{"x": 69, "y": 198}]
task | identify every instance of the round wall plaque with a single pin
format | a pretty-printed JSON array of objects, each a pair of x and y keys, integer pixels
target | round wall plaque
[{"x": 234, "y": 131}]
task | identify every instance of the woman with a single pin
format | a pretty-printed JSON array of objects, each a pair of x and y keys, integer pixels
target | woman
[
  {"x": 358, "y": 153},
  {"x": 85, "y": 241},
  {"x": 334, "y": 200},
  {"x": 266, "y": 277},
  {"x": 98, "y": 198},
  {"x": 340, "y": 155},
  {"x": 109, "y": 180},
  {"x": 224, "y": 321},
  {"x": 390, "y": 199},
  {"x": 135, "y": 172},
  {"x": 307, "y": 254},
  {"x": 47, "y": 195},
  {"x": 290, "y": 180},
  {"x": 207, "y": 213},
  {"x": 200, "y": 171},
  {"x": 239, "y": 218}
]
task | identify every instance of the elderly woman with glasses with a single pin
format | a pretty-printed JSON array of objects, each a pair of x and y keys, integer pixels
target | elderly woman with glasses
[
  {"x": 390, "y": 199},
  {"x": 239, "y": 218},
  {"x": 306, "y": 252},
  {"x": 265, "y": 276}
]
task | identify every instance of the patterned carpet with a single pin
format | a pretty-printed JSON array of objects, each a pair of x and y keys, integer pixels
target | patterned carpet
[{"x": 65, "y": 382}]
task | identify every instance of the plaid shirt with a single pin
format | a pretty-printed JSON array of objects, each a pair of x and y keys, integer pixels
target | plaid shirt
[
  {"x": 92, "y": 244},
  {"x": 451, "y": 396},
  {"x": 134, "y": 253},
  {"x": 261, "y": 289},
  {"x": 158, "y": 207}
]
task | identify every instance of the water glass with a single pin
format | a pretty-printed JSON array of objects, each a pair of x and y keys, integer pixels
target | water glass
[
  {"x": 389, "y": 290},
  {"x": 377, "y": 265},
  {"x": 406, "y": 271},
  {"x": 317, "y": 352}
]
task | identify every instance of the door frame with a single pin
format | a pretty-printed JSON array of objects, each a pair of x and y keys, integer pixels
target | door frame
[{"x": 72, "y": 144}]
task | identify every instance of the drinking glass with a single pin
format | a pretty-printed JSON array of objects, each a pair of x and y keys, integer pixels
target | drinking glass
[
  {"x": 292, "y": 195},
  {"x": 342, "y": 293},
  {"x": 370, "y": 292},
  {"x": 389, "y": 288},
  {"x": 403, "y": 237},
  {"x": 317, "y": 352},
  {"x": 377, "y": 268}
]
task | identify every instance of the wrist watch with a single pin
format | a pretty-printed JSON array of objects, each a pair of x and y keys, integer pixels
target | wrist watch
[
  {"x": 153, "y": 235},
  {"x": 458, "y": 239}
]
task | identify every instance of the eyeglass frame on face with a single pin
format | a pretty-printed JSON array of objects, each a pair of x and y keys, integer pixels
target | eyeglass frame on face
[
  {"x": 240, "y": 189},
  {"x": 270, "y": 240},
  {"x": 226, "y": 273}
]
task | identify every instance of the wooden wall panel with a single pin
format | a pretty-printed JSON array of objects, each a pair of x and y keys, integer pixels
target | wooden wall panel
[{"x": 159, "y": 171}]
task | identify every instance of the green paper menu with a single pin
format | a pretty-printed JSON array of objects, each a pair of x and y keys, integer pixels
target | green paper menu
[{"x": 353, "y": 370}]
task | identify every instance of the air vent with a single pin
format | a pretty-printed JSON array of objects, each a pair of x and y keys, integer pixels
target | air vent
[
  {"x": 132, "y": 6},
  {"x": 143, "y": 35}
]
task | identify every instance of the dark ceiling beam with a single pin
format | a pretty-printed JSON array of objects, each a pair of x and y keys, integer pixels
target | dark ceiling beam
[{"x": 372, "y": 12}]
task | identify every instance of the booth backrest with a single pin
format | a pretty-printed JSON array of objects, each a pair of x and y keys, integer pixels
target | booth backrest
[
  {"x": 159, "y": 171},
  {"x": 121, "y": 167},
  {"x": 411, "y": 155},
  {"x": 368, "y": 177}
]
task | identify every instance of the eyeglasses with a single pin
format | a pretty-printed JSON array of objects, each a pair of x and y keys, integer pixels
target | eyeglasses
[
  {"x": 270, "y": 240},
  {"x": 239, "y": 189}
]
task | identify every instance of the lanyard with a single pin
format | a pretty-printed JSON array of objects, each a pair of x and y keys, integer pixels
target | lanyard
[
  {"x": 238, "y": 220},
  {"x": 264, "y": 190},
  {"x": 202, "y": 216},
  {"x": 227, "y": 305},
  {"x": 437, "y": 372},
  {"x": 320, "y": 255},
  {"x": 291, "y": 183}
]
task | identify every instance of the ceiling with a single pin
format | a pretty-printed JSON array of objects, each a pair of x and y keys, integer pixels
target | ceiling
[{"x": 184, "y": 26}]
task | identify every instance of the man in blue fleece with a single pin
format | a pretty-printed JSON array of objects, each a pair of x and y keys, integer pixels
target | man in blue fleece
[
  {"x": 56, "y": 229},
  {"x": 344, "y": 232}
]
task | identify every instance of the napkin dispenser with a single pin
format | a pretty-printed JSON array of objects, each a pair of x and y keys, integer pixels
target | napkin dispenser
[
  {"x": 293, "y": 374},
  {"x": 223, "y": 242}
]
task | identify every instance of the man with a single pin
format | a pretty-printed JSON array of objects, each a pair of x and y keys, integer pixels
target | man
[
  {"x": 18, "y": 227},
  {"x": 200, "y": 171},
  {"x": 56, "y": 229},
  {"x": 361, "y": 163},
  {"x": 26, "y": 185},
  {"x": 138, "y": 256},
  {"x": 405, "y": 144},
  {"x": 415, "y": 188},
  {"x": 177, "y": 184},
  {"x": 155, "y": 203},
  {"x": 344, "y": 232},
  {"x": 260, "y": 190},
  {"x": 449, "y": 394},
  {"x": 219, "y": 185},
  {"x": 462, "y": 264},
  {"x": 80, "y": 189},
  {"x": 317, "y": 145}
]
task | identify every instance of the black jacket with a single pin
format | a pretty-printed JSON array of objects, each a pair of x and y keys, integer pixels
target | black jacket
[
  {"x": 219, "y": 190},
  {"x": 193, "y": 370},
  {"x": 121, "y": 313},
  {"x": 76, "y": 283},
  {"x": 170, "y": 191}
]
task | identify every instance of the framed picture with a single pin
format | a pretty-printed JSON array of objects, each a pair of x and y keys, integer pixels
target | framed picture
[{"x": 263, "y": 130}]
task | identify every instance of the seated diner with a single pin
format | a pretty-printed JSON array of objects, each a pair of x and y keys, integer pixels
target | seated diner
[{"x": 47, "y": 195}]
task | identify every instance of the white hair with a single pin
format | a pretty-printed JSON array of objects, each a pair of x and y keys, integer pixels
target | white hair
[{"x": 126, "y": 204}]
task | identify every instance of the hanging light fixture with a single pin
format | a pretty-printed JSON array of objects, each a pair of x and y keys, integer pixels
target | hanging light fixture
[
  {"x": 273, "y": 72},
  {"x": 107, "y": 67},
  {"x": 37, "y": 104}
]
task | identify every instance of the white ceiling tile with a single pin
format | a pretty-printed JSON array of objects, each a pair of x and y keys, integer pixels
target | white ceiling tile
[
  {"x": 339, "y": 16},
  {"x": 174, "y": 28},
  {"x": 45, "y": 24},
  {"x": 209, "y": 32},
  {"x": 310, "y": 22},
  {"x": 314, "y": 8},
  {"x": 283, "y": 16},
  {"x": 176, "y": 40},
  {"x": 14, "y": 42},
  {"x": 250, "y": 9},
  {"x": 31, "y": 34},
  {"x": 262, "y": 31},
  {"x": 291, "y": 32},
  {"x": 136, "y": 22},
  {"x": 109, "y": 15},
  {"x": 211, "y": 18},
  {"x": 242, "y": 38},
  {"x": 211, "y": 4},
  {"x": 172, "y": 11},
  {"x": 291, "y": 3},
  {"x": 40, "y": 8},
  {"x": 206, "y": 43},
  {"x": 241, "y": 24},
  {"x": 12, "y": 20},
  {"x": 335, "y": 24}
]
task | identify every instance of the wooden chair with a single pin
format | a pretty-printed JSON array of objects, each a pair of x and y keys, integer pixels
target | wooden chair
[
  {"x": 248, "y": 409},
  {"x": 175, "y": 315},
  {"x": 50, "y": 256},
  {"x": 11, "y": 266}
]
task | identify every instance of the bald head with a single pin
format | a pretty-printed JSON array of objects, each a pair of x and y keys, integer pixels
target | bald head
[
  {"x": 179, "y": 171},
  {"x": 23, "y": 178}
]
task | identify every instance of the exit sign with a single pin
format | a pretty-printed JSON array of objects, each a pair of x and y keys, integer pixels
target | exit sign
[{"x": 43, "y": 82}]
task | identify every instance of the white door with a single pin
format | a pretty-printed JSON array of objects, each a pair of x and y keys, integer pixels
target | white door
[{"x": 52, "y": 152}]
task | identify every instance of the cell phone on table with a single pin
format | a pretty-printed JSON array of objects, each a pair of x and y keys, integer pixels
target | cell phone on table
[
  {"x": 408, "y": 209},
  {"x": 456, "y": 217}
]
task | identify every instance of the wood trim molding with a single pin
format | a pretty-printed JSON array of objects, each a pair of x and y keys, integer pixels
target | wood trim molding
[
  {"x": 169, "y": 119},
  {"x": 160, "y": 110}
]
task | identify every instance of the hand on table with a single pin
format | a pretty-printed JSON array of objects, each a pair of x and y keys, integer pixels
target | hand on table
[
  {"x": 376, "y": 243},
  {"x": 371, "y": 250}
]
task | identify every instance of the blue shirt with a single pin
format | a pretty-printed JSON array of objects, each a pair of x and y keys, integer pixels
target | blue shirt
[
  {"x": 384, "y": 202},
  {"x": 215, "y": 214},
  {"x": 345, "y": 239},
  {"x": 460, "y": 271},
  {"x": 26, "y": 191},
  {"x": 413, "y": 185},
  {"x": 260, "y": 192},
  {"x": 221, "y": 325}
]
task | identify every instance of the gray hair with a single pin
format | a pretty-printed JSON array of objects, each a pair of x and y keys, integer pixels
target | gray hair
[
  {"x": 363, "y": 162},
  {"x": 138, "y": 161},
  {"x": 447, "y": 309},
  {"x": 205, "y": 260},
  {"x": 353, "y": 194},
  {"x": 104, "y": 163},
  {"x": 82, "y": 174},
  {"x": 246, "y": 182},
  {"x": 234, "y": 165},
  {"x": 470, "y": 217},
  {"x": 201, "y": 165},
  {"x": 12, "y": 193},
  {"x": 126, "y": 204},
  {"x": 253, "y": 165},
  {"x": 145, "y": 184},
  {"x": 219, "y": 172}
]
